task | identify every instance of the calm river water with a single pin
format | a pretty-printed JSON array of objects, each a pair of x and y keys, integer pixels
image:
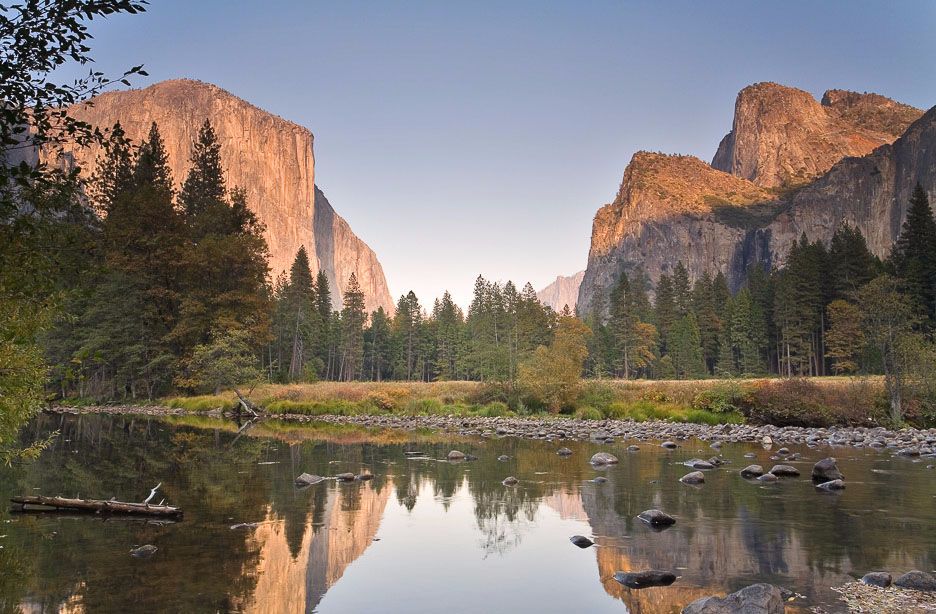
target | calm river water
[{"x": 432, "y": 536}]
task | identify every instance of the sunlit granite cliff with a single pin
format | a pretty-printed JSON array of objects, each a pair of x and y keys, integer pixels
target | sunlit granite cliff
[
  {"x": 271, "y": 158},
  {"x": 791, "y": 165}
]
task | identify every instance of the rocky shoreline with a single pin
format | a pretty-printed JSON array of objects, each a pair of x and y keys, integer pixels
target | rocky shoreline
[{"x": 905, "y": 442}]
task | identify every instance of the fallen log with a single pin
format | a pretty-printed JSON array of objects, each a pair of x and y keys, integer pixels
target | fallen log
[{"x": 95, "y": 506}]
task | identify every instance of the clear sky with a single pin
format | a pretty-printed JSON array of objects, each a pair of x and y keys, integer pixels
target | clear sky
[{"x": 460, "y": 138}]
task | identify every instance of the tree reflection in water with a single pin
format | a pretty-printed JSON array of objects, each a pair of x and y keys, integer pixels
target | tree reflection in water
[{"x": 432, "y": 517}]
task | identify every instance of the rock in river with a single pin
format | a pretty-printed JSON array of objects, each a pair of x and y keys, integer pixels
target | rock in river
[
  {"x": 916, "y": 580},
  {"x": 603, "y": 458},
  {"x": 456, "y": 455},
  {"x": 754, "y": 599},
  {"x": 142, "y": 552},
  {"x": 308, "y": 479},
  {"x": 831, "y": 485},
  {"x": 345, "y": 477},
  {"x": 503, "y": 458},
  {"x": 669, "y": 445},
  {"x": 581, "y": 541},
  {"x": 752, "y": 471},
  {"x": 696, "y": 477},
  {"x": 510, "y": 481},
  {"x": 363, "y": 477},
  {"x": 785, "y": 471},
  {"x": 656, "y": 518},
  {"x": 877, "y": 578},
  {"x": 564, "y": 452},
  {"x": 768, "y": 477},
  {"x": 826, "y": 470},
  {"x": 645, "y": 579}
]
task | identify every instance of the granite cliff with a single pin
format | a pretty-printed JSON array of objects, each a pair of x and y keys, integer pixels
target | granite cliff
[
  {"x": 782, "y": 136},
  {"x": 271, "y": 158},
  {"x": 791, "y": 165},
  {"x": 561, "y": 292}
]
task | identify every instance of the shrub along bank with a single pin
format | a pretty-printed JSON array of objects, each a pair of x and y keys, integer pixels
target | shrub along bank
[{"x": 783, "y": 402}]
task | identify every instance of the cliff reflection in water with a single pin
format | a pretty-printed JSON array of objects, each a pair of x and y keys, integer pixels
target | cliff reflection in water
[{"x": 427, "y": 534}]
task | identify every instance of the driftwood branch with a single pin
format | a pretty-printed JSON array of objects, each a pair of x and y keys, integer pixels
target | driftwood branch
[
  {"x": 40, "y": 503},
  {"x": 247, "y": 404},
  {"x": 152, "y": 493}
]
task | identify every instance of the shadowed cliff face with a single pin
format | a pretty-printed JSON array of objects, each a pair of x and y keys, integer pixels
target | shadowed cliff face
[
  {"x": 271, "y": 158},
  {"x": 673, "y": 209}
]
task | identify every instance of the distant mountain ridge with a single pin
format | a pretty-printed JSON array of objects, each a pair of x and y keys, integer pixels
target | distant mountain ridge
[
  {"x": 270, "y": 157},
  {"x": 790, "y": 165},
  {"x": 561, "y": 292}
]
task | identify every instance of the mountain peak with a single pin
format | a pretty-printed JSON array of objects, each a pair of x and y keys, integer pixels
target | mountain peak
[{"x": 783, "y": 137}]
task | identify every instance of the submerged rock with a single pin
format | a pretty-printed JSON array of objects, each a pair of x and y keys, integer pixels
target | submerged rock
[
  {"x": 768, "y": 477},
  {"x": 645, "y": 579},
  {"x": 633, "y": 448},
  {"x": 456, "y": 455},
  {"x": 831, "y": 485},
  {"x": 510, "y": 481},
  {"x": 696, "y": 477},
  {"x": 363, "y": 477},
  {"x": 308, "y": 479},
  {"x": 603, "y": 458},
  {"x": 752, "y": 471},
  {"x": 916, "y": 580},
  {"x": 564, "y": 452},
  {"x": 142, "y": 552},
  {"x": 581, "y": 541},
  {"x": 754, "y": 599},
  {"x": 656, "y": 518},
  {"x": 345, "y": 477},
  {"x": 877, "y": 578},
  {"x": 503, "y": 458},
  {"x": 698, "y": 463},
  {"x": 600, "y": 479},
  {"x": 669, "y": 445}
]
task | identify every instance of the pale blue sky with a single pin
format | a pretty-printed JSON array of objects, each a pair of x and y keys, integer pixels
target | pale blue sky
[{"x": 460, "y": 138}]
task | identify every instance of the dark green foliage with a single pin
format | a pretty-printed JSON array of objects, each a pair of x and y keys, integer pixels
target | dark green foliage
[{"x": 914, "y": 255}]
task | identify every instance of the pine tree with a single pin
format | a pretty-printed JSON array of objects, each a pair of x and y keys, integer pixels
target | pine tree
[
  {"x": 377, "y": 344},
  {"x": 710, "y": 324},
  {"x": 353, "y": 319},
  {"x": 664, "y": 310},
  {"x": 851, "y": 264},
  {"x": 686, "y": 348},
  {"x": 114, "y": 174},
  {"x": 152, "y": 163},
  {"x": 914, "y": 255},
  {"x": 204, "y": 186}
]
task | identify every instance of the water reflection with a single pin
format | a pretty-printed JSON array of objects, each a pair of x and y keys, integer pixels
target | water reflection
[{"x": 428, "y": 535}]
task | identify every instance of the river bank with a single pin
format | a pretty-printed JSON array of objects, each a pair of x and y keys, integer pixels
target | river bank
[{"x": 910, "y": 442}]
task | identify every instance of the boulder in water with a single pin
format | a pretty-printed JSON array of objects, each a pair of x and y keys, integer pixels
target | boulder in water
[
  {"x": 757, "y": 598},
  {"x": 916, "y": 580},
  {"x": 645, "y": 578},
  {"x": 308, "y": 479},
  {"x": 581, "y": 541},
  {"x": 825, "y": 471},
  {"x": 656, "y": 518},
  {"x": 603, "y": 458}
]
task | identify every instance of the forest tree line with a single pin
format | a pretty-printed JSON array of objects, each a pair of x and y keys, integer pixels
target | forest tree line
[{"x": 174, "y": 295}]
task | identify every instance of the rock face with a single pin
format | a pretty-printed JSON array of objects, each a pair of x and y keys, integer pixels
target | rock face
[
  {"x": 839, "y": 154},
  {"x": 271, "y": 158},
  {"x": 781, "y": 136},
  {"x": 564, "y": 291}
]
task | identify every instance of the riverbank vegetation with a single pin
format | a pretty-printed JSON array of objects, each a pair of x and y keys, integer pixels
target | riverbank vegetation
[{"x": 856, "y": 401}]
